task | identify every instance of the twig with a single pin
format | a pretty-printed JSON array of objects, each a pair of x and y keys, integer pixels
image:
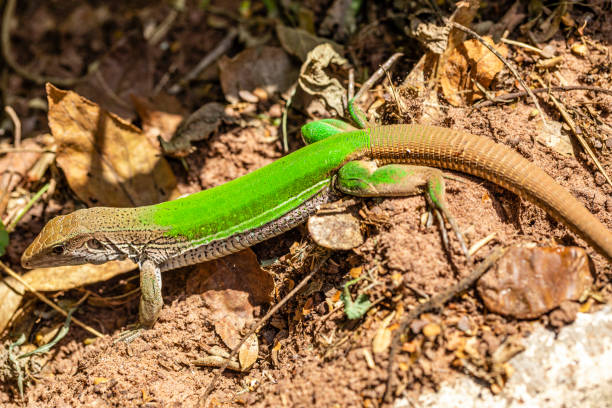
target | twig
[
  {"x": 377, "y": 75},
  {"x": 9, "y": 10},
  {"x": 208, "y": 59},
  {"x": 260, "y": 323},
  {"x": 526, "y": 46},
  {"x": 29, "y": 205},
  {"x": 506, "y": 63},
  {"x": 48, "y": 302},
  {"x": 435, "y": 302},
  {"x": 351, "y": 84},
  {"x": 17, "y": 123},
  {"x": 507, "y": 97},
  {"x": 578, "y": 136},
  {"x": 163, "y": 28},
  {"x": 284, "y": 118}
]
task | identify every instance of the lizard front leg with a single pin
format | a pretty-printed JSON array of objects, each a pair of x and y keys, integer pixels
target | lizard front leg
[
  {"x": 151, "y": 301},
  {"x": 365, "y": 179}
]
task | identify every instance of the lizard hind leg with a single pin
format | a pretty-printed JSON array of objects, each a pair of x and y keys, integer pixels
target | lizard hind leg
[{"x": 365, "y": 179}]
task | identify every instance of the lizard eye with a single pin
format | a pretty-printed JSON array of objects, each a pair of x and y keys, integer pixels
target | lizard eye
[
  {"x": 58, "y": 249},
  {"x": 94, "y": 244}
]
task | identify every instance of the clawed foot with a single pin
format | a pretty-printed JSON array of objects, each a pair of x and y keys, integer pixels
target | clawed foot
[
  {"x": 454, "y": 227},
  {"x": 130, "y": 334}
]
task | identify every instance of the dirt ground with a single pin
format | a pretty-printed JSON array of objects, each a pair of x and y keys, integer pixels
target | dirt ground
[{"x": 309, "y": 354}]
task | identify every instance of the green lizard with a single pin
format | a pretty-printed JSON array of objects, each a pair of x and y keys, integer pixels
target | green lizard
[{"x": 267, "y": 202}]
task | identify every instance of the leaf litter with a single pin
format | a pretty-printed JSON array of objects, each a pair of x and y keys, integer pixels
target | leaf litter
[{"x": 331, "y": 366}]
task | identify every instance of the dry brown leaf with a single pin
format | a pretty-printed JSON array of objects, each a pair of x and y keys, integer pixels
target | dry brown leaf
[
  {"x": 300, "y": 42},
  {"x": 269, "y": 68},
  {"x": 317, "y": 77},
  {"x": 382, "y": 338},
  {"x": 197, "y": 126},
  {"x": 11, "y": 293},
  {"x": 156, "y": 122},
  {"x": 467, "y": 62},
  {"x": 14, "y": 167},
  {"x": 106, "y": 160},
  {"x": 73, "y": 276},
  {"x": 53, "y": 279},
  {"x": 247, "y": 355},
  {"x": 233, "y": 288}
]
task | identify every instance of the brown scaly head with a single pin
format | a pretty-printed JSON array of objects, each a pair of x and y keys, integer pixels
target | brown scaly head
[{"x": 78, "y": 238}]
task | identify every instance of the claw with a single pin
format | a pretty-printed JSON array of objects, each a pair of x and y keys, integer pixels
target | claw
[{"x": 129, "y": 335}]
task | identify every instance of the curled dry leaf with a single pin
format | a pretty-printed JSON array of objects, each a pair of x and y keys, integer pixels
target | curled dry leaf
[
  {"x": 247, "y": 355},
  {"x": 551, "y": 135},
  {"x": 106, "y": 160},
  {"x": 233, "y": 288},
  {"x": 197, "y": 126},
  {"x": 382, "y": 338},
  {"x": 471, "y": 61},
  {"x": 316, "y": 79}
]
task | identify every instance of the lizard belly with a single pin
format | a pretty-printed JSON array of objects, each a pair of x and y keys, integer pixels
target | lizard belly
[{"x": 237, "y": 242}]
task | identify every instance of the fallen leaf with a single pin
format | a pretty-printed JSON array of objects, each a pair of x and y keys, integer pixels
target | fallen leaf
[
  {"x": 269, "y": 68},
  {"x": 54, "y": 279},
  {"x": 316, "y": 77},
  {"x": 430, "y": 35},
  {"x": 14, "y": 167},
  {"x": 341, "y": 19},
  {"x": 300, "y": 42},
  {"x": 157, "y": 123},
  {"x": 106, "y": 160},
  {"x": 550, "y": 135},
  {"x": 125, "y": 69},
  {"x": 197, "y": 126},
  {"x": 11, "y": 293},
  {"x": 470, "y": 61},
  {"x": 528, "y": 282},
  {"x": 74, "y": 276},
  {"x": 233, "y": 287},
  {"x": 247, "y": 355},
  {"x": 383, "y": 336}
]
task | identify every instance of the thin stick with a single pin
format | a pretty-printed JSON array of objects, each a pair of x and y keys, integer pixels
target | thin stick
[
  {"x": 523, "y": 45},
  {"x": 208, "y": 59},
  {"x": 507, "y": 97},
  {"x": 29, "y": 205},
  {"x": 435, "y": 302},
  {"x": 578, "y": 136},
  {"x": 351, "y": 84},
  {"x": 17, "y": 123},
  {"x": 48, "y": 302},
  {"x": 506, "y": 63},
  {"x": 377, "y": 75},
  {"x": 284, "y": 118},
  {"x": 260, "y": 323}
]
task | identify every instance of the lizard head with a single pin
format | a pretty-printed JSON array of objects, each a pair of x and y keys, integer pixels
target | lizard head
[{"x": 72, "y": 239}]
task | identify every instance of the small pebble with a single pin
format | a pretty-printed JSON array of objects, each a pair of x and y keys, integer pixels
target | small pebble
[
  {"x": 580, "y": 49},
  {"x": 431, "y": 330}
]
